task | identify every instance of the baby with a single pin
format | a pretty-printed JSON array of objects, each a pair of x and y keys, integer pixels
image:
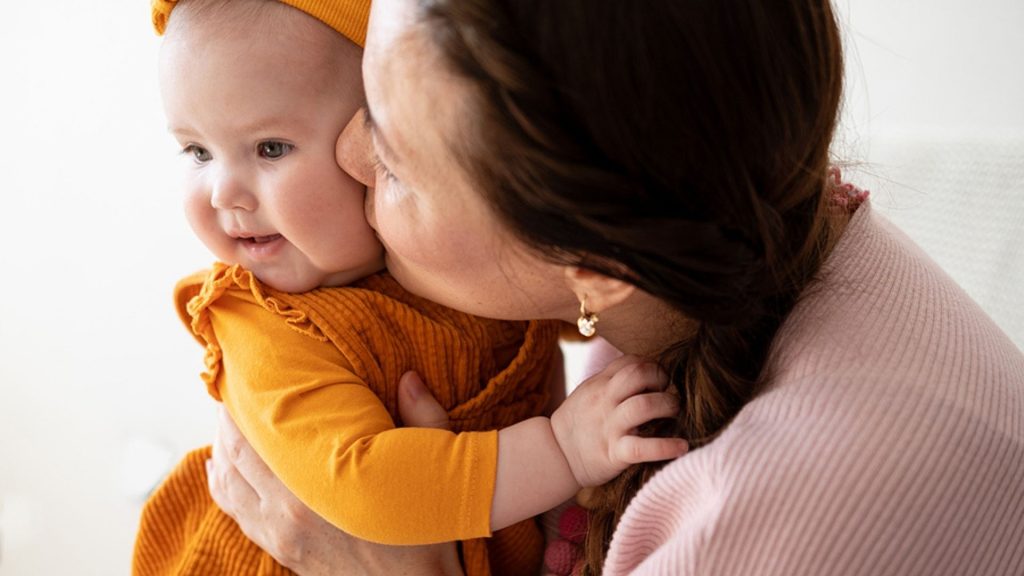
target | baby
[{"x": 306, "y": 336}]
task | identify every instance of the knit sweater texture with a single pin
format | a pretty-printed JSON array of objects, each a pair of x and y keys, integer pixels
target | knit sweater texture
[
  {"x": 311, "y": 381},
  {"x": 889, "y": 441}
]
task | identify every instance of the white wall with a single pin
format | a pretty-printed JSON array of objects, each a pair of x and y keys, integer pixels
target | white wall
[
  {"x": 944, "y": 64},
  {"x": 91, "y": 353},
  {"x": 98, "y": 382},
  {"x": 934, "y": 125}
]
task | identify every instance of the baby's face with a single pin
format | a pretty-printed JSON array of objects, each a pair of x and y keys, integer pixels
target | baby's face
[{"x": 257, "y": 116}]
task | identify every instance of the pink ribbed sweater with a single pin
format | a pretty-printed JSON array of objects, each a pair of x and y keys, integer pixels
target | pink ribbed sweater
[{"x": 891, "y": 440}]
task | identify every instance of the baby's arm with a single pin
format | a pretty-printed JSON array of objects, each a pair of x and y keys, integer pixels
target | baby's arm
[
  {"x": 589, "y": 440},
  {"x": 333, "y": 443}
]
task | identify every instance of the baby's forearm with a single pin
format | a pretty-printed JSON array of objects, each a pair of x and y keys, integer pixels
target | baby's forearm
[{"x": 533, "y": 475}]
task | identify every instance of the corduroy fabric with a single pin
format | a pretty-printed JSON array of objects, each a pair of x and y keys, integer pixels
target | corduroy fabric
[
  {"x": 381, "y": 331},
  {"x": 183, "y": 532},
  {"x": 890, "y": 441},
  {"x": 348, "y": 17}
]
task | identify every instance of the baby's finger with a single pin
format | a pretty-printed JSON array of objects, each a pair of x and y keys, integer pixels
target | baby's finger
[
  {"x": 605, "y": 375},
  {"x": 617, "y": 364},
  {"x": 638, "y": 378},
  {"x": 642, "y": 408},
  {"x": 634, "y": 449}
]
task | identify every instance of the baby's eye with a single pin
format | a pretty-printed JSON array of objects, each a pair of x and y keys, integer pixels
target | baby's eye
[
  {"x": 198, "y": 153},
  {"x": 272, "y": 149}
]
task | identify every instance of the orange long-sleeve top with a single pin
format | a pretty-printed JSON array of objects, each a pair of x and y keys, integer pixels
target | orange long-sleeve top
[{"x": 311, "y": 381}]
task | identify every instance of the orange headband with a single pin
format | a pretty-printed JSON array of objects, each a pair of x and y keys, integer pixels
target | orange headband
[{"x": 348, "y": 17}]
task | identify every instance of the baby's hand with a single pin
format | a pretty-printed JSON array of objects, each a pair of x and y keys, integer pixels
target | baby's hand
[{"x": 596, "y": 425}]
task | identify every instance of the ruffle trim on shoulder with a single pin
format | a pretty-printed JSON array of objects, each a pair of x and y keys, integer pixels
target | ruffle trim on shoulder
[{"x": 224, "y": 277}]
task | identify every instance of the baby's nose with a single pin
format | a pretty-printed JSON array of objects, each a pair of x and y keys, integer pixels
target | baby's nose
[{"x": 230, "y": 193}]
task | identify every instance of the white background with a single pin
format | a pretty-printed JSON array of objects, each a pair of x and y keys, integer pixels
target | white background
[{"x": 98, "y": 381}]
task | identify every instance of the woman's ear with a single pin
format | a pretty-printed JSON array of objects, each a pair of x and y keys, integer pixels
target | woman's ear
[{"x": 602, "y": 292}]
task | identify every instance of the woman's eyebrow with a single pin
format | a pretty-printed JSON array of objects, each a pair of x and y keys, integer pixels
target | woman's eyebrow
[{"x": 377, "y": 135}]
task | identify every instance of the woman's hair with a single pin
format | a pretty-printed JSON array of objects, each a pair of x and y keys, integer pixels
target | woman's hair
[{"x": 681, "y": 145}]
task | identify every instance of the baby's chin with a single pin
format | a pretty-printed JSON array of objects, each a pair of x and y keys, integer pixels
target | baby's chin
[
  {"x": 289, "y": 283},
  {"x": 306, "y": 278}
]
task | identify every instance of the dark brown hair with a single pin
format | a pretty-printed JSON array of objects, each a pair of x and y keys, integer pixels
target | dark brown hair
[{"x": 682, "y": 145}]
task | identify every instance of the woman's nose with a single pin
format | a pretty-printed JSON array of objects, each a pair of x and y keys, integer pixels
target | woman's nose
[
  {"x": 354, "y": 150},
  {"x": 231, "y": 193}
]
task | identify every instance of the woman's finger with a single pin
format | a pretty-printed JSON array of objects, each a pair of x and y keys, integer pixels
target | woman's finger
[
  {"x": 229, "y": 489},
  {"x": 228, "y": 434},
  {"x": 216, "y": 492},
  {"x": 251, "y": 471},
  {"x": 417, "y": 406}
]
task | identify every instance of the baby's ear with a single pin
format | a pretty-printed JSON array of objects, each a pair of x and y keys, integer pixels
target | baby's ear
[{"x": 600, "y": 291}]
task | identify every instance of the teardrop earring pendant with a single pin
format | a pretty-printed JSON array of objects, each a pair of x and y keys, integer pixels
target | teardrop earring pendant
[{"x": 587, "y": 322}]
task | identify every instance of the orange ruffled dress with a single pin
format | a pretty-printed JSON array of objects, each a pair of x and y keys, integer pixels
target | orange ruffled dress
[{"x": 311, "y": 381}]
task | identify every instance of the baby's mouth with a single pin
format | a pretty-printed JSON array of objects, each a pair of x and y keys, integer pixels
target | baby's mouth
[{"x": 261, "y": 239}]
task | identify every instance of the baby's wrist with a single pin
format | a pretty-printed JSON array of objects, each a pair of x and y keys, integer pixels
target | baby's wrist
[
  {"x": 527, "y": 452},
  {"x": 562, "y": 433}
]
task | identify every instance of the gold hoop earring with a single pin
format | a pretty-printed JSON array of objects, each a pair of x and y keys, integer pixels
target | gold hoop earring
[{"x": 587, "y": 323}]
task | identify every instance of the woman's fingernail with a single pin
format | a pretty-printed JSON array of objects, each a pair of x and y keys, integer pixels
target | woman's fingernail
[{"x": 413, "y": 387}]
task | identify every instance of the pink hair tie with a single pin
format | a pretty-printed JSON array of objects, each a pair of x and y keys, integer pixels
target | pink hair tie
[{"x": 844, "y": 194}]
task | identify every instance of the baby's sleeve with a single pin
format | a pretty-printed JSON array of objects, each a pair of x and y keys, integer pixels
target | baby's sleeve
[{"x": 333, "y": 443}]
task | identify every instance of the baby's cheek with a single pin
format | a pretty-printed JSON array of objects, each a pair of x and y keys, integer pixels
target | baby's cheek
[
  {"x": 202, "y": 218},
  {"x": 197, "y": 211}
]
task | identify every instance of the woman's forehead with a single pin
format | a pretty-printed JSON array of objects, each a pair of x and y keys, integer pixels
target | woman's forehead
[
  {"x": 417, "y": 104},
  {"x": 389, "y": 19}
]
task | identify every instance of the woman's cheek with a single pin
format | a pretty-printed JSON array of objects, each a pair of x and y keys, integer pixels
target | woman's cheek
[
  {"x": 393, "y": 223},
  {"x": 395, "y": 196}
]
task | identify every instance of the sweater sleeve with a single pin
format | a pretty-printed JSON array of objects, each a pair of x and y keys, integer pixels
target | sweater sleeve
[{"x": 333, "y": 443}]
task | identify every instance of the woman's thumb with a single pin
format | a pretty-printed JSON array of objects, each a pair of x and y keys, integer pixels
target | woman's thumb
[{"x": 416, "y": 406}]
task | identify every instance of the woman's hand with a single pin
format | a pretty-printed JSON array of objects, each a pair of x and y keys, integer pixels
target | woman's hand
[{"x": 271, "y": 516}]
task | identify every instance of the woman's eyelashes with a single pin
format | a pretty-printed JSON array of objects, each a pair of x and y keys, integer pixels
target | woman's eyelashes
[
  {"x": 382, "y": 171},
  {"x": 379, "y": 168}
]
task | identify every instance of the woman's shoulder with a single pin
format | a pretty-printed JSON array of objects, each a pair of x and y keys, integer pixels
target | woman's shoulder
[
  {"x": 892, "y": 428},
  {"x": 798, "y": 484},
  {"x": 885, "y": 322}
]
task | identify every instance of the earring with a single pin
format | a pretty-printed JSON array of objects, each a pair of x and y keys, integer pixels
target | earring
[{"x": 587, "y": 321}]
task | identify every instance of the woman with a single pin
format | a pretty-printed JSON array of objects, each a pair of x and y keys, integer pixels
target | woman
[{"x": 664, "y": 167}]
